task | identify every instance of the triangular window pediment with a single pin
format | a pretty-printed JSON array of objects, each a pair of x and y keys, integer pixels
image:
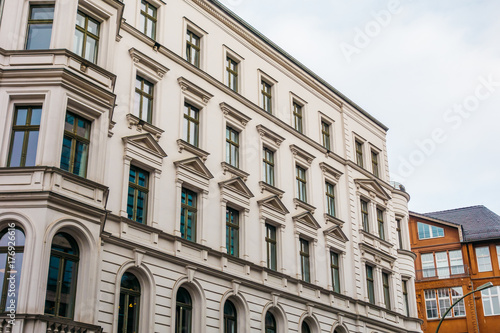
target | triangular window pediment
[
  {"x": 146, "y": 142},
  {"x": 195, "y": 165},
  {"x": 237, "y": 185},
  {"x": 373, "y": 186},
  {"x": 336, "y": 232},
  {"x": 275, "y": 204},
  {"x": 307, "y": 219}
]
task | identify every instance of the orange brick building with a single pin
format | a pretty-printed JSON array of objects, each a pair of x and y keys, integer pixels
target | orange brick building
[{"x": 457, "y": 251}]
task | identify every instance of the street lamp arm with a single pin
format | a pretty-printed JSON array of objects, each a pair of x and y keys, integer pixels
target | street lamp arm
[{"x": 484, "y": 286}]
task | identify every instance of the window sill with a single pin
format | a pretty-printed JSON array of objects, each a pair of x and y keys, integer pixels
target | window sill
[
  {"x": 183, "y": 145},
  {"x": 303, "y": 205},
  {"x": 226, "y": 167},
  {"x": 270, "y": 188},
  {"x": 144, "y": 125},
  {"x": 333, "y": 219}
]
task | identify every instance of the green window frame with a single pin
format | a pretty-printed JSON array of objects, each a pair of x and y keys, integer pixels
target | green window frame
[
  {"x": 138, "y": 191},
  {"x": 189, "y": 213},
  {"x": 270, "y": 323},
  {"x": 365, "y": 222},
  {"x": 39, "y": 29},
  {"x": 381, "y": 223},
  {"x": 232, "y": 147},
  {"x": 297, "y": 117},
  {"x": 267, "y": 97},
  {"x": 406, "y": 301},
  {"x": 232, "y": 231},
  {"x": 191, "y": 124},
  {"x": 183, "y": 312},
  {"x": 86, "y": 42},
  {"x": 230, "y": 318},
  {"x": 330, "y": 198},
  {"x": 148, "y": 19},
  {"x": 325, "y": 134},
  {"x": 272, "y": 255},
  {"x": 76, "y": 142},
  {"x": 268, "y": 165},
  {"x": 375, "y": 169},
  {"x": 193, "y": 48},
  {"x": 232, "y": 74},
  {"x": 11, "y": 239},
  {"x": 144, "y": 94},
  {"x": 400, "y": 233},
  {"x": 24, "y": 139},
  {"x": 129, "y": 304},
  {"x": 62, "y": 277},
  {"x": 335, "y": 270},
  {"x": 387, "y": 290},
  {"x": 305, "y": 267},
  {"x": 370, "y": 288},
  {"x": 301, "y": 182},
  {"x": 359, "y": 153}
]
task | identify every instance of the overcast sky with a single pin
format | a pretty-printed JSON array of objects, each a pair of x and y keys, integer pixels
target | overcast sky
[{"x": 429, "y": 70}]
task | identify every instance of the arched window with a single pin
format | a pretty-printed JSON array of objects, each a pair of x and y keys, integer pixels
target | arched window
[
  {"x": 230, "y": 318},
  {"x": 305, "y": 328},
  {"x": 128, "y": 308},
  {"x": 11, "y": 261},
  {"x": 270, "y": 323},
  {"x": 63, "y": 270},
  {"x": 183, "y": 312}
]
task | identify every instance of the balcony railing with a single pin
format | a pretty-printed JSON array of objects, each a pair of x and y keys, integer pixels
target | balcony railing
[
  {"x": 438, "y": 273},
  {"x": 47, "y": 324}
]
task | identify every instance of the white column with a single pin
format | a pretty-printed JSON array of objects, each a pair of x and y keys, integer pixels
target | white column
[
  {"x": 298, "y": 272},
  {"x": 244, "y": 233},
  {"x": 177, "y": 218},
  {"x": 223, "y": 207},
  {"x": 155, "y": 189},
  {"x": 263, "y": 249},
  {"x": 280, "y": 265}
]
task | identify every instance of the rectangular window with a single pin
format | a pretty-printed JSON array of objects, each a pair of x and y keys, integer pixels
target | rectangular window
[
  {"x": 483, "y": 259},
  {"x": 188, "y": 214},
  {"x": 301, "y": 183},
  {"x": 438, "y": 301},
  {"x": 406, "y": 302},
  {"x": 232, "y": 74},
  {"x": 147, "y": 22},
  {"x": 400, "y": 234},
  {"x": 491, "y": 301},
  {"x": 40, "y": 22},
  {"x": 334, "y": 265},
  {"x": 272, "y": 257},
  {"x": 86, "y": 42},
  {"x": 24, "y": 140},
  {"x": 370, "y": 288},
  {"x": 325, "y": 134},
  {"x": 193, "y": 48},
  {"x": 266, "y": 96},
  {"x": 75, "y": 149},
  {"x": 232, "y": 147},
  {"x": 380, "y": 222},
  {"x": 442, "y": 265},
  {"x": 375, "y": 164},
  {"x": 143, "y": 106},
  {"x": 428, "y": 268},
  {"x": 297, "y": 117},
  {"x": 268, "y": 165},
  {"x": 364, "y": 216},
  {"x": 304, "y": 260},
  {"x": 137, "y": 194},
  {"x": 330, "y": 198},
  {"x": 386, "y": 288},
  {"x": 359, "y": 153},
  {"x": 232, "y": 231},
  {"x": 191, "y": 124},
  {"x": 426, "y": 231},
  {"x": 456, "y": 262}
]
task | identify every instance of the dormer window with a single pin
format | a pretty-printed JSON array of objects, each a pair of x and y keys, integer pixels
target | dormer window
[{"x": 426, "y": 231}]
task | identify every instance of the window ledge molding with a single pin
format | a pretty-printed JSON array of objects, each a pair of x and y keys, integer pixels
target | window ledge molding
[
  {"x": 330, "y": 171},
  {"x": 270, "y": 188},
  {"x": 378, "y": 254},
  {"x": 183, "y": 145},
  {"x": 302, "y": 154},
  {"x": 226, "y": 167},
  {"x": 141, "y": 125},
  {"x": 375, "y": 237},
  {"x": 303, "y": 205},
  {"x": 333, "y": 219},
  {"x": 189, "y": 86},
  {"x": 140, "y": 58},
  {"x": 233, "y": 114},
  {"x": 267, "y": 133},
  {"x": 407, "y": 253}
]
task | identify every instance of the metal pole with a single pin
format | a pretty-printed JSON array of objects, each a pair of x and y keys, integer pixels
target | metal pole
[{"x": 484, "y": 286}]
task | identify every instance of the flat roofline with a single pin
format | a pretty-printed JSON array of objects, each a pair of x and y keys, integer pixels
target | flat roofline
[{"x": 296, "y": 62}]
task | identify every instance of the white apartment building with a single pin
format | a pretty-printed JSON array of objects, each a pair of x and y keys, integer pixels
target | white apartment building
[{"x": 166, "y": 168}]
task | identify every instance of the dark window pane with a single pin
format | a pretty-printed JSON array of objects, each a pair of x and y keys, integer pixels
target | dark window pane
[
  {"x": 50, "y": 298},
  {"x": 67, "y": 285},
  {"x": 66, "y": 153}
]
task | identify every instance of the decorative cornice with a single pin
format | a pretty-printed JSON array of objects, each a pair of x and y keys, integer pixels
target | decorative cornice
[
  {"x": 226, "y": 167},
  {"x": 301, "y": 153},
  {"x": 144, "y": 125},
  {"x": 187, "y": 85},
  {"x": 274, "y": 190},
  {"x": 228, "y": 110},
  {"x": 139, "y": 57},
  {"x": 266, "y": 132},
  {"x": 329, "y": 170},
  {"x": 183, "y": 145},
  {"x": 304, "y": 205}
]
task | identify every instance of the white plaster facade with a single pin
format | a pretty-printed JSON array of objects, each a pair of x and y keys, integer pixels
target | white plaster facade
[{"x": 44, "y": 200}]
